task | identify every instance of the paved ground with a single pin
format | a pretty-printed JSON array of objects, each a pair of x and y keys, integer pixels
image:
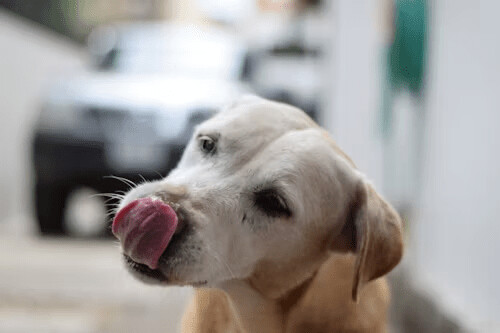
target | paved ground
[
  {"x": 61, "y": 285},
  {"x": 80, "y": 286}
]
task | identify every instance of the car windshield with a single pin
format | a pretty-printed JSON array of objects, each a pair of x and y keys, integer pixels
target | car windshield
[{"x": 180, "y": 50}]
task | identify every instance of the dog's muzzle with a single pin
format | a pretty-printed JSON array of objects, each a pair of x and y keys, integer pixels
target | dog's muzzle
[{"x": 145, "y": 227}]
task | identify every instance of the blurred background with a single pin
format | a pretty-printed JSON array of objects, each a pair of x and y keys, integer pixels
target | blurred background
[{"x": 96, "y": 94}]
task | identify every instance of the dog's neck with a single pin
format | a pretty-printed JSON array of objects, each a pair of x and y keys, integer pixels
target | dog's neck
[
  {"x": 256, "y": 312},
  {"x": 264, "y": 300},
  {"x": 253, "y": 311}
]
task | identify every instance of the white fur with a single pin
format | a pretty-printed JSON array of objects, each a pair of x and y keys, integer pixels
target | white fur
[{"x": 259, "y": 142}]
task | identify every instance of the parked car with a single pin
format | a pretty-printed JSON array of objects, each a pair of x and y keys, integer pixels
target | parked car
[
  {"x": 133, "y": 117},
  {"x": 286, "y": 61},
  {"x": 290, "y": 74}
]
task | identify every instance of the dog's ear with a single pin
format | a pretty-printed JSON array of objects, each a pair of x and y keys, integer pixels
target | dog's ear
[{"x": 373, "y": 231}]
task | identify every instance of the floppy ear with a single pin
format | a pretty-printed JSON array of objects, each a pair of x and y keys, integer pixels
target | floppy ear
[{"x": 373, "y": 231}]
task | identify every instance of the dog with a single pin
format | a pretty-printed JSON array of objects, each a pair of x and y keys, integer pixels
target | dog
[{"x": 272, "y": 224}]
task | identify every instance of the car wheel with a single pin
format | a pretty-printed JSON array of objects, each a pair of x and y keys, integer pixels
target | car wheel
[
  {"x": 50, "y": 203},
  {"x": 85, "y": 213}
]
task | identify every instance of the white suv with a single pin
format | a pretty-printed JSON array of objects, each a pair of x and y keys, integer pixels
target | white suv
[{"x": 133, "y": 116}]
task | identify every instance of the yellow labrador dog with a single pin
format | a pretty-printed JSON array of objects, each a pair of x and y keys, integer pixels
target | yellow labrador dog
[{"x": 271, "y": 223}]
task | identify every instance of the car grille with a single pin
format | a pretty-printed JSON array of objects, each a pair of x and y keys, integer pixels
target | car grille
[{"x": 115, "y": 124}]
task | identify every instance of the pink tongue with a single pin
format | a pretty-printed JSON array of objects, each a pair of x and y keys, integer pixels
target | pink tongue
[{"x": 144, "y": 228}]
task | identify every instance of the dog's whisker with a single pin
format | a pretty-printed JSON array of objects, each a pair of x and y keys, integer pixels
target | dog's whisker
[
  {"x": 126, "y": 181},
  {"x": 109, "y": 202},
  {"x": 143, "y": 179},
  {"x": 110, "y": 213},
  {"x": 107, "y": 195},
  {"x": 159, "y": 174}
]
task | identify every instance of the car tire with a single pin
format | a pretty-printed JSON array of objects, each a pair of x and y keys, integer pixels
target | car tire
[{"x": 50, "y": 203}]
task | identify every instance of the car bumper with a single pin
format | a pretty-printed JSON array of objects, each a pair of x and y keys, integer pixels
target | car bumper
[{"x": 58, "y": 158}]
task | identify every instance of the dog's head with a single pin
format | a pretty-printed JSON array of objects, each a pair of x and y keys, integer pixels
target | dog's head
[{"x": 261, "y": 194}]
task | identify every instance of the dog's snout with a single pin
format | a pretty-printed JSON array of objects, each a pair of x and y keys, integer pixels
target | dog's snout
[{"x": 171, "y": 193}]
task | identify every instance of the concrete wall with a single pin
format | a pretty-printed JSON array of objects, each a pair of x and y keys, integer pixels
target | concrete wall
[
  {"x": 455, "y": 236},
  {"x": 454, "y": 228},
  {"x": 30, "y": 58}
]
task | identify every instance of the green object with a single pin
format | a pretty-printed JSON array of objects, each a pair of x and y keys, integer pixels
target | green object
[{"x": 406, "y": 55}]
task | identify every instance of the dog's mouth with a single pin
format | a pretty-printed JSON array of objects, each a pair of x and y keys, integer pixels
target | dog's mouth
[
  {"x": 144, "y": 270},
  {"x": 155, "y": 275},
  {"x": 164, "y": 262},
  {"x": 152, "y": 234},
  {"x": 145, "y": 228}
]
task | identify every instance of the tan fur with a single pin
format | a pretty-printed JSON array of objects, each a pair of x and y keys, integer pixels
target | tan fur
[
  {"x": 209, "y": 311},
  {"x": 321, "y": 304}
]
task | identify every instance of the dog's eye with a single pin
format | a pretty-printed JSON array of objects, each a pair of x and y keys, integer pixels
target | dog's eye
[
  {"x": 207, "y": 144},
  {"x": 271, "y": 203}
]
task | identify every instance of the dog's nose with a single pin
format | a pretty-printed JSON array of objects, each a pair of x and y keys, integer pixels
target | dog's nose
[{"x": 171, "y": 193}]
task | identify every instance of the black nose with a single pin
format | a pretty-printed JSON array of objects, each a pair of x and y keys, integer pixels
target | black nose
[{"x": 171, "y": 193}]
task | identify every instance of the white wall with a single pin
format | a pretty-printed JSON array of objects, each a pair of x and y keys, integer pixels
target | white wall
[
  {"x": 352, "y": 85},
  {"x": 456, "y": 236},
  {"x": 30, "y": 57},
  {"x": 453, "y": 250}
]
